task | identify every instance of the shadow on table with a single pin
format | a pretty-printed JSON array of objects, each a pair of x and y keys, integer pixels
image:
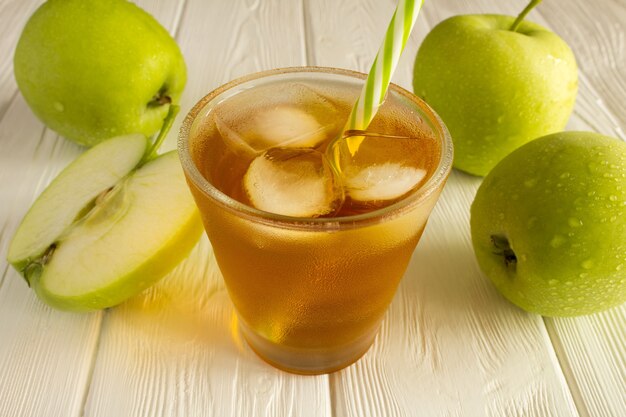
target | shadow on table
[{"x": 188, "y": 312}]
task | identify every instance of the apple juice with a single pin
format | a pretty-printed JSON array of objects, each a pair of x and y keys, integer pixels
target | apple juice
[{"x": 311, "y": 242}]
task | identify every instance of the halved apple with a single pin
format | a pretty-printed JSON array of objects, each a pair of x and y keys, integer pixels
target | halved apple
[{"x": 110, "y": 225}]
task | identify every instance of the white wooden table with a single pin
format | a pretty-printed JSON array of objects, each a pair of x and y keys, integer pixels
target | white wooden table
[{"x": 450, "y": 345}]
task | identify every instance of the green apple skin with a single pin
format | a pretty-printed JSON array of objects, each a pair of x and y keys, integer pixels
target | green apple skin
[
  {"x": 548, "y": 224},
  {"x": 131, "y": 282},
  {"x": 113, "y": 222},
  {"x": 95, "y": 69},
  {"x": 495, "y": 89}
]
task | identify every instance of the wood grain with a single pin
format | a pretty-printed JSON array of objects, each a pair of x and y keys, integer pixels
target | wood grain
[
  {"x": 450, "y": 345},
  {"x": 175, "y": 350},
  {"x": 523, "y": 333},
  {"x": 592, "y": 352},
  {"x": 45, "y": 355},
  {"x": 592, "y": 349},
  {"x": 16, "y": 12},
  {"x": 596, "y": 34}
]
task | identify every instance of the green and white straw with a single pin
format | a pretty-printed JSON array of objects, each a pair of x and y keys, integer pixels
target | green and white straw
[{"x": 379, "y": 77}]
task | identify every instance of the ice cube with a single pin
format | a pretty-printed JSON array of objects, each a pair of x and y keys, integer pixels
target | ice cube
[
  {"x": 295, "y": 116},
  {"x": 387, "y": 181},
  {"x": 377, "y": 168},
  {"x": 287, "y": 127},
  {"x": 296, "y": 182},
  {"x": 233, "y": 139}
]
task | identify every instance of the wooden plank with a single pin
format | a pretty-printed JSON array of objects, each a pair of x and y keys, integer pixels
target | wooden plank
[
  {"x": 592, "y": 352},
  {"x": 13, "y": 16},
  {"x": 41, "y": 350},
  {"x": 451, "y": 345},
  {"x": 596, "y": 34},
  {"x": 592, "y": 349},
  {"x": 46, "y": 356},
  {"x": 421, "y": 367},
  {"x": 175, "y": 350},
  {"x": 348, "y": 35}
]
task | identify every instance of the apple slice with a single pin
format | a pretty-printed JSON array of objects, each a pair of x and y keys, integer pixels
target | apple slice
[{"x": 111, "y": 224}]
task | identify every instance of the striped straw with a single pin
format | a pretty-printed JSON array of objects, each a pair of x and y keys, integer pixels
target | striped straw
[{"x": 377, "y": 83}]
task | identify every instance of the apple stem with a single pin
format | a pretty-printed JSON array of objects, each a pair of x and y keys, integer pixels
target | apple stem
[
  {"x": 167, "y": 124},
  {"x": 160, "y": 99},
  {"x": 522, "y": 15}
]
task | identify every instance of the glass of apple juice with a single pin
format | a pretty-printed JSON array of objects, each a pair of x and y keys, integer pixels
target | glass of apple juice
[{"x": 312, "y": 236}]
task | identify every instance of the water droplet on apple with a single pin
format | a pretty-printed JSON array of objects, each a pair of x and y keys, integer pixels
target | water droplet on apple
[
  {"x": 619, "y": 267},
  {"x": 58, "y": 106},
  {"x": 613, "y": 197},
  {"x": 553, "y": 282},
  {"x": 583, "y": 275},
  {"x": 501, "y": 119},
  {"x": 564, "y": 175},
  {"x": 530, "y": 182},
  {"x": 588, "y": 264},
  {"x": 613, "y": 218},
  {"x": 574, "y": 222},
  {"x": 568, "y": 282},
  {"x": 592, "y": 167},
  {"x": 558, "y": 241}
]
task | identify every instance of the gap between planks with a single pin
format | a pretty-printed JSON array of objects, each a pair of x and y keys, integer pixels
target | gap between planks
[{"x": 176, "y": 24}]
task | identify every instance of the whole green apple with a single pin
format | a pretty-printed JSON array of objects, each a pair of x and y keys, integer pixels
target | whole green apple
[
  {"x": 94, "y": 69},
  {"x": 497, "y": 82},
  {"x": 549, "y": 224}
]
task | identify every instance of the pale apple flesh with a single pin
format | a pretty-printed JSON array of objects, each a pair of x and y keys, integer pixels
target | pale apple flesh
[
  {"x": 129, "y": 235},
  {"x": 70, "y": 193}
]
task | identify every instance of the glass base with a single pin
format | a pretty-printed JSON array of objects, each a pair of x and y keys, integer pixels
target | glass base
[{"x": 308, "y": 361}]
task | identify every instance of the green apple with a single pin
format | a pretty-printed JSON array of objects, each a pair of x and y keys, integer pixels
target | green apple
[
  {"x": 95, "y": 69},
  {"x": 549, "y": 224},
  {"x": 497, "y": 82},
  {"x": 112, "y": 223}
]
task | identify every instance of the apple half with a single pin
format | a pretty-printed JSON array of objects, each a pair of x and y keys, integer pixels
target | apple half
[{"x": 109, "y": 225}]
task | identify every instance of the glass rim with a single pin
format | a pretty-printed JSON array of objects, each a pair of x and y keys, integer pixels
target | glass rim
[{"x": 416, "y": 196}]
